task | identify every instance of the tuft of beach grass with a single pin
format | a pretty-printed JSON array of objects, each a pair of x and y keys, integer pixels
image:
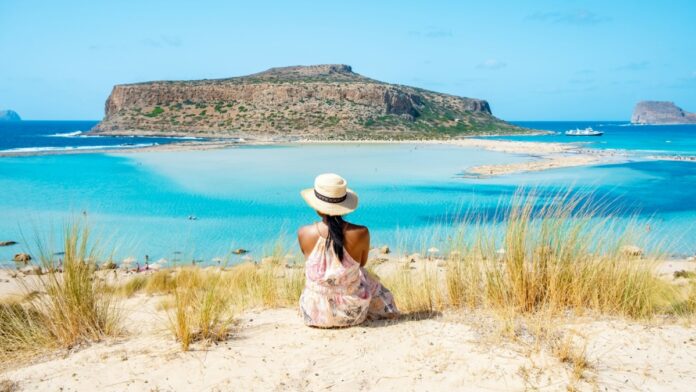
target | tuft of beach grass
[
  {"x": 9, "y": 386},
  {"x": 64, "y": 307},
  {"x": 565, "y": 255},
  {"x": 200, "y": 310},
  {"x": 204, "y": 300}
]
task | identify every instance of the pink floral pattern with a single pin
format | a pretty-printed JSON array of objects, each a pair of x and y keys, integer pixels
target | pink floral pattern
[{"x": 339, "y": 293}]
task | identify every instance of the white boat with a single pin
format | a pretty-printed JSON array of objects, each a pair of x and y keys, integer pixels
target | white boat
[{"x": 584, "y": 132}]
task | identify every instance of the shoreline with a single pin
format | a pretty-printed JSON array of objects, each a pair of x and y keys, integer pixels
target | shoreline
[
  {"x": 544, "y": 155},
  {"x": 191, "y": 145},
  {"x": 551, "y": 155}
]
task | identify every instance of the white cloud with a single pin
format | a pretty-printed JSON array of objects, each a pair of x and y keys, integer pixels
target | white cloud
[
  {"x": 634, "y": 66},
  {"x": 578, "y": 17},
  {"x": 491, "y": 64},
  {"x": 163, "y": 41},
  {"x": 432, "y": 32}
]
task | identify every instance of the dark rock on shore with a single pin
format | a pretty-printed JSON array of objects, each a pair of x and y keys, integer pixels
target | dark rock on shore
[{"x": 661, "y": 112}]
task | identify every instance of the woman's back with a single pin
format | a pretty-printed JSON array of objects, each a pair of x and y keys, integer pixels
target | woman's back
[
  {"x": 356, "y": 239},
  {"x": 338, "y": 291}
]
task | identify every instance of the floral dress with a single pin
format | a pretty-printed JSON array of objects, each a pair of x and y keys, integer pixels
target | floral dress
[{"x": 340, "y": 293}]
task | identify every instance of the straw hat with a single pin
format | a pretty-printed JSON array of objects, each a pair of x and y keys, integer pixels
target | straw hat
[{"x": 331, "y": 195}]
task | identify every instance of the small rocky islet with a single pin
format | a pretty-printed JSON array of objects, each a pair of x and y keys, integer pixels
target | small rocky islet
[
  {"x": 661, "y": 113},
  {"x": 9, "y": 116}
]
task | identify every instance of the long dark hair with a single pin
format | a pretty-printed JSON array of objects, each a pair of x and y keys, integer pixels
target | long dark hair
[{"x": 335, "y": 237}]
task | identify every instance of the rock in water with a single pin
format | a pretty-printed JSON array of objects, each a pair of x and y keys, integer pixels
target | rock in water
[
  {"x": 22, "y": 258},
  {"x": 8, "y": 243},
  {"x": 314, "y": 102},
  {"x": 384, "y": 250},
  {"x": 661, "y": 112},
  {"x": 9, "y": 115}
]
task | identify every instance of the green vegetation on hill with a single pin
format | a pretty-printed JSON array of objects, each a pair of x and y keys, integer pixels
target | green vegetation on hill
[{"x": 312, "y": 102}]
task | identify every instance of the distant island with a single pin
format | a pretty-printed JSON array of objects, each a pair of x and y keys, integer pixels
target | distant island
[
  {"x": 305, "y": 102},
  {"x": 9, "y": 115},
  {"x": 661, "y": 112}
]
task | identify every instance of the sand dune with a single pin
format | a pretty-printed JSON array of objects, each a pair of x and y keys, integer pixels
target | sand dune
[{"x": 273, "y": 350}]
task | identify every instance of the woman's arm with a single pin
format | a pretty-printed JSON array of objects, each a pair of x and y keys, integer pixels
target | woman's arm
[
  {"x": 304, "y": 238},
  {"x": 365, "y": 242}
]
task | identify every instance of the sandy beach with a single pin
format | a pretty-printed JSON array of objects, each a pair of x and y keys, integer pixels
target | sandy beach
[
  {"x": 545, "y": 155},
  {"x": 271, "y": 349}
]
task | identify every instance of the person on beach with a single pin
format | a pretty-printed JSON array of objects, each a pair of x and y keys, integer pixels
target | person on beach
[{"x": 338, "y": 291}]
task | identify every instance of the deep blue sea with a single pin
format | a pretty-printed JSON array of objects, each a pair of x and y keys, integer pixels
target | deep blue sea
[
  {"x": 139, "y": 203},
  {"x": 37, "y": 136},
  {"x": 618, "y": 135}
]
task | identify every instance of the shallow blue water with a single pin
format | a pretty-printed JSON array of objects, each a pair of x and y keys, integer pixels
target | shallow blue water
[
  {"x": 139, "y": 203},
  {"x": 64, "y": 135}
]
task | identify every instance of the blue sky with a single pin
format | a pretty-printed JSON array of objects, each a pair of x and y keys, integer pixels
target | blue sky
[{"x": 532, "y": 60}]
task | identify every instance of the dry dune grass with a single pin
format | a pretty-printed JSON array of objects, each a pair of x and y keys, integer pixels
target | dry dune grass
[
  {"x": 60, "y": 310},
  {"x": 563, "y": 256},
  {"x": 9, "y": 386},
  {"x": 532, "y": 265},
  {"x": 205, "y": 300},
  {"x": 566, "y": 350},
  {"x": 160, "y": 282},
  {"x": 202, "y": 301},
  {"x": 200, "y": 309}
]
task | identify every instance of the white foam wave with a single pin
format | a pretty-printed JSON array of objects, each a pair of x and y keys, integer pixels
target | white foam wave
[
  {"x": 66, "y": 134},
  {"x": 74, "y": 148}
]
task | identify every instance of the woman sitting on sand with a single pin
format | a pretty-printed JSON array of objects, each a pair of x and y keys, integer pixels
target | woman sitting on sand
[{"x": 338, "y": 291}]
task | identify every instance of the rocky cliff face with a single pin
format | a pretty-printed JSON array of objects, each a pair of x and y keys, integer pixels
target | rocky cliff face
[
  {"x": 9, "y": 115},
  {"x": 320, "y": 101},
  {"x": 661, "y": 112}
]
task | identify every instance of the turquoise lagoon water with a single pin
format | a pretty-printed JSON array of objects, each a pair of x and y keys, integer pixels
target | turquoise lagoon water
[{"x": 139, "y": 203}]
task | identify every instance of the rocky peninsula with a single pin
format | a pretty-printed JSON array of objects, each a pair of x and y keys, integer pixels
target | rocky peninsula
[
  {"x": 304, "y": 102},
  {"x": 9, "y": 115},
  {"x": 661, "y": 113}
]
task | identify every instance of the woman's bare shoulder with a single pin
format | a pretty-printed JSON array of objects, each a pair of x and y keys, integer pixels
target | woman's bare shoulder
[
  {"x": 357, "y": 230},
  {"x": 307, "y": 237},
  {"x": 306, "y": 231}
]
